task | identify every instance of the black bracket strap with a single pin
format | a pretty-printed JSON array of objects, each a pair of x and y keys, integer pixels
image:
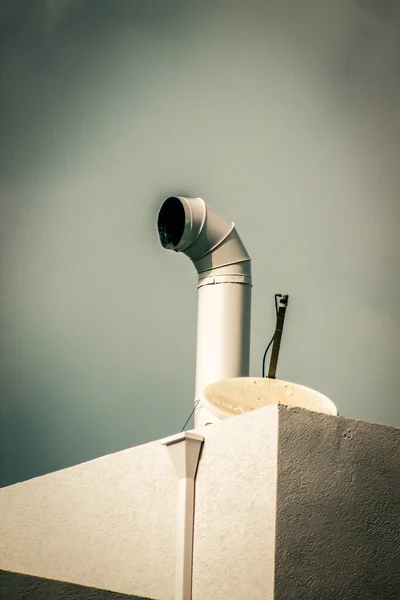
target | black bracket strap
[{"x": 283, "y": 302}]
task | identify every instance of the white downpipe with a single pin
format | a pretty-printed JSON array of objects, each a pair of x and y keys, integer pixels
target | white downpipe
[
  {"x": 184, "y": 450},
  {"x": 190, "y": 226}
]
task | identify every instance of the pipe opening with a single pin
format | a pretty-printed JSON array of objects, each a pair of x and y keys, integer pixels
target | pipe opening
[{"x": 171, "y": 222}]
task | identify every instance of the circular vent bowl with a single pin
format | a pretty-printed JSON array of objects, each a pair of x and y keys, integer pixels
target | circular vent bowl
[{"x": 233, "y": 397}]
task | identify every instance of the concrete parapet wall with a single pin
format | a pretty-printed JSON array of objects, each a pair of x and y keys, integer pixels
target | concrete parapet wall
[{"x": 289, "y": 504}]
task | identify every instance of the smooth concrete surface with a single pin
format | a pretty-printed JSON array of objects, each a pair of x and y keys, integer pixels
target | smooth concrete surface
[
  {"x": 234, "y": 532},
  {"x": 338, "y": 509},
  {"x": 108, "y": 523},
  {"x": 15, "y": 586}
]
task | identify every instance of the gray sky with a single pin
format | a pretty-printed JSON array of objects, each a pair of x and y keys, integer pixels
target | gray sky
[{"x": 282, "y": 114}]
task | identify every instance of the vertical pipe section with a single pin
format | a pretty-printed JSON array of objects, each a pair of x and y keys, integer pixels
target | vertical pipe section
[
  {"x": 184, "y": 450},
  {"x": 190, "y": 226},
  {"x": 223, "y": 340}
]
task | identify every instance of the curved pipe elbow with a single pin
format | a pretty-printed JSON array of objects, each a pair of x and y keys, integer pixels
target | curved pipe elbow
[{"x": 190, "y": 226}]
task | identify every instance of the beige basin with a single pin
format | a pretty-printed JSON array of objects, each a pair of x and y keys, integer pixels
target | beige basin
[{"x": 239, "y": 395}]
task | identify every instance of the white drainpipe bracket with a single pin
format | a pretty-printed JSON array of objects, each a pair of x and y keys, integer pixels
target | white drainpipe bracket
[{"x": 184, "y": 450}]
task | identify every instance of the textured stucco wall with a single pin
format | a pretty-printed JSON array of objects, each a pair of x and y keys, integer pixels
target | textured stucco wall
[
  {"x": 289, "y": 505},
  {"x": 15, "y": 586},
  {"x": 234, "y": 534},
  {"x": 338, "y": 519},
  {"x": 108, "y": 523}
]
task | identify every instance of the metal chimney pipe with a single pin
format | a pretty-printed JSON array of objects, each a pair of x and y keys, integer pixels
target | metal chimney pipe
[{"x": 212, "y": 243}]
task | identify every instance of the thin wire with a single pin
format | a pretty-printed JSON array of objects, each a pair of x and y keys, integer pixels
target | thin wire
[
  {"x": 272, "y": 339},
  {"x": 194, "y": 408},
  {"x": 265, "y": 355}
]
